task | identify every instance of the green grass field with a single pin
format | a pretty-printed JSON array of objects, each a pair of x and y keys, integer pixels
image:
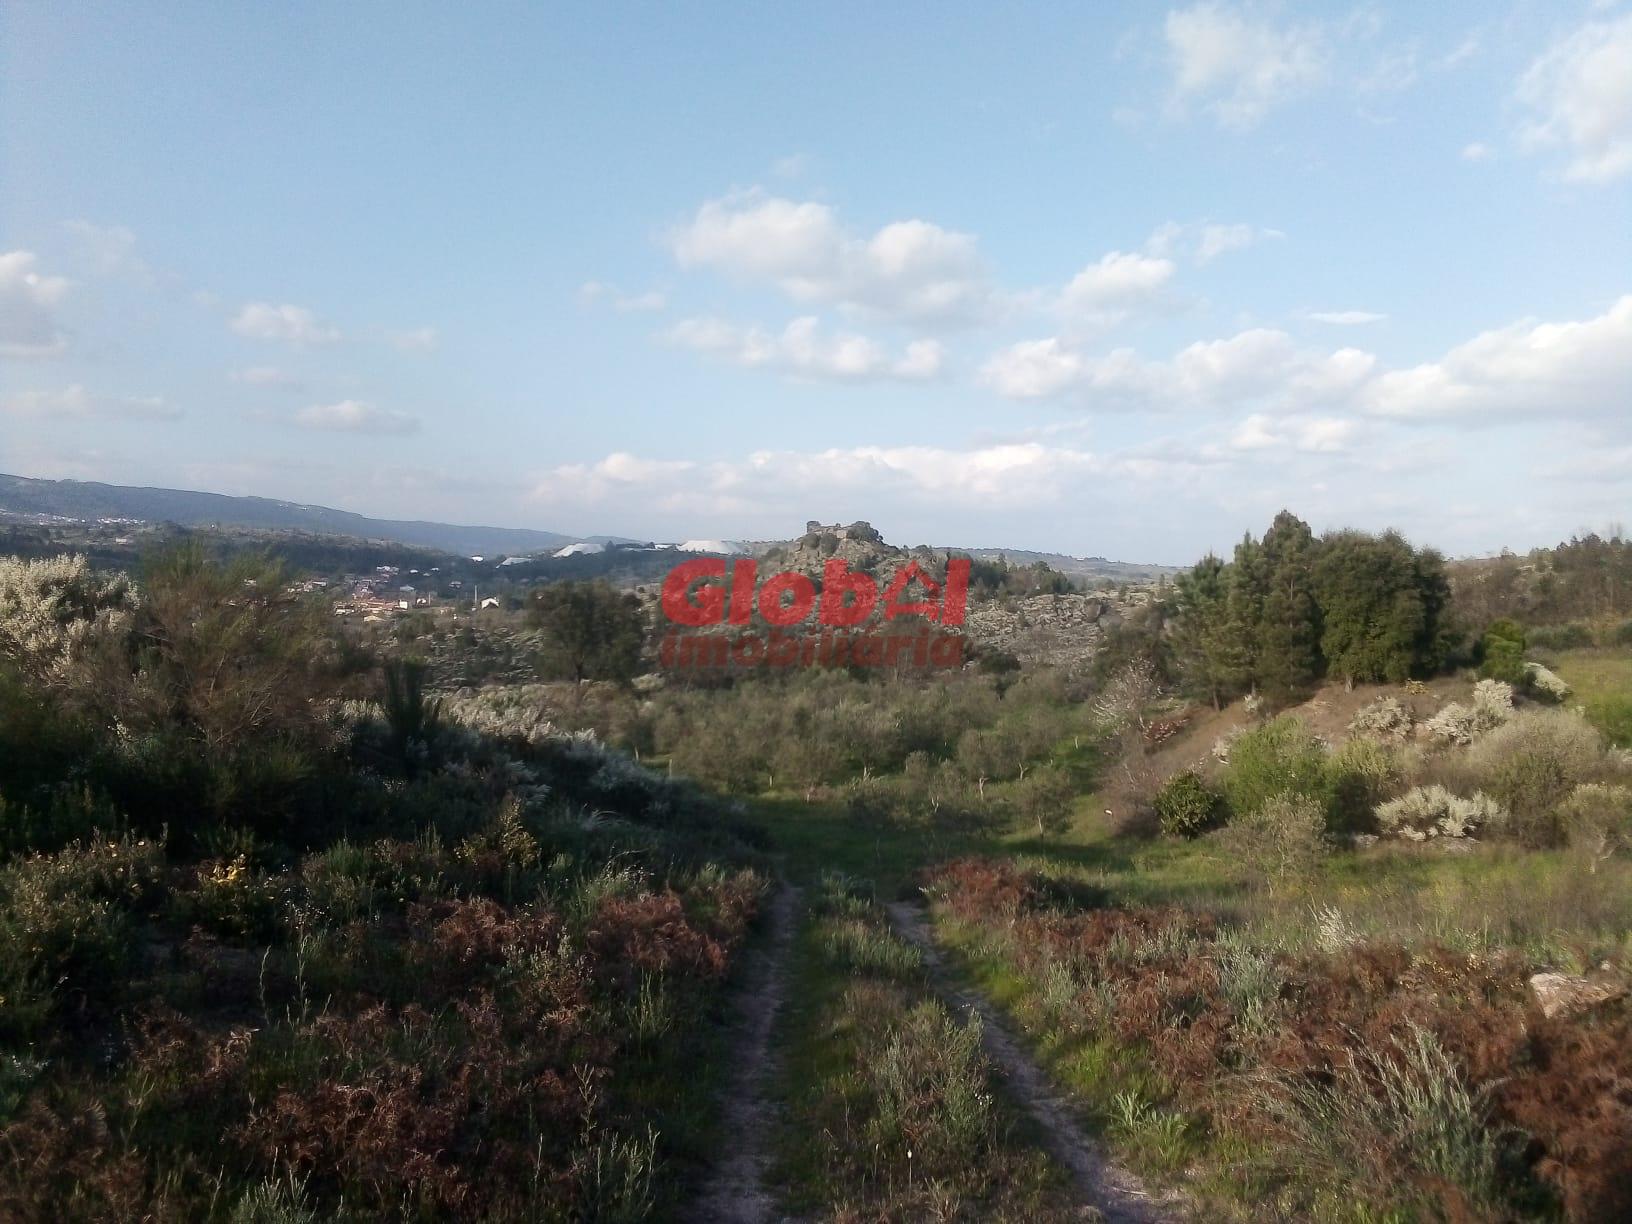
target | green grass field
[{"x": 1602, "y": 680}]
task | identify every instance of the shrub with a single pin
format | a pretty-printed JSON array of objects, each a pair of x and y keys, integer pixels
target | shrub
[
  {"x": 1574, "y": 636},
  {"x": 1502, "y": 652},
  {"x": 1531, "y": 764},
  {"x": 65, "y": 929},
  {"x": 1280, "y": 841},
  {"x": 56, "y": 613},
  {"x": 1597, "y": 818},
  {"x": 1458, "y": 723},
  {"x": 1359, "y": 776},
  {"x": 1432, "y": 811},
  {"x": 1185, "y": 805},
  {"x": 1546, "y": 683},
  {"x": 1281, "y": 757},
  {"x": 1043, "y": 797},
  {"x": 1387, "y": 717}
]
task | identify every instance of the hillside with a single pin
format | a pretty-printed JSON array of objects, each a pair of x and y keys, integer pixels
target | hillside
[{"x": 74, "y": 499}]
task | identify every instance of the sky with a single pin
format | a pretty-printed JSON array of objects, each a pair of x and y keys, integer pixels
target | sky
[{"x": 1112, "y": 279}]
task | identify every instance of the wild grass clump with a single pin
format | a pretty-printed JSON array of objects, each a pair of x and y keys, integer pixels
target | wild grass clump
[{"x": 1398, "y": 1125}]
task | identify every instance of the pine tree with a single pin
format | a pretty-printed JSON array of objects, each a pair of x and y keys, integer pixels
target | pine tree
[{"x": 1289, "y": 659}]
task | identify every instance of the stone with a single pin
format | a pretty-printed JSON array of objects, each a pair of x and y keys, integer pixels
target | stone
[{"x": 1563, "y": 994}]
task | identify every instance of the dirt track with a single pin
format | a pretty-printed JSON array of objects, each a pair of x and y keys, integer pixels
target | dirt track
[{"x": 1115, "y": 1193}]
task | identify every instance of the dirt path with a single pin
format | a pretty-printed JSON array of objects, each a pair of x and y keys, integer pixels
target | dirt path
[
  {"x": 735, "y": 1192},
  {"x": 1115, "y": 1193}
]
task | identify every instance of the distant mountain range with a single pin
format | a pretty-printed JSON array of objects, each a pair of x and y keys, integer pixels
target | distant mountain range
[{"x": 76, "y": 499}]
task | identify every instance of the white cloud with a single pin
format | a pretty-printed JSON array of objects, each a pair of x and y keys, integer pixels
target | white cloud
[
  {"x": 1034, "y": 369},
  {"x": 1106, "y": 291},
  {"x": 75, "y": 402},
  {"x": 1258, "y": 366},
  {"x": 787, "y": 482},
  {"x": 1347, "y": 318},
  {"x": 28, "y": 301},
  {"x": 294, "y": 324},
  {"x": 1237, "y": 64},
  {"x": 1312, "y": 435},
  {"x": 354, "y": 416},
  {"x": 1477, "y": 151},
  {"x": 624, "y": 303},
  {"x": 1581, "y": 92},
  {"x": 801, "y": 350},
  {"x": 1545, "y": 371},
  {"x": 908, "y": 271}
]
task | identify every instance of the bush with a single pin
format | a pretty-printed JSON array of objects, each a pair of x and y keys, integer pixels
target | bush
[
  {"x": 65, "y": 929},
  {"x": 1574, "y": 636},
  {"x": 1502, "y": 652},
  {"x": 1531, "y": 764},
  {"x": 1278, "y": 758},
  {"x": 1359, "y": 776},
  {"x": 1597, "y": 818},
  {"x": 1280, "y": 841},
  {"x": 1458, "y": 723},
  {"x": 1043, "y": 797},
  {"x": 1545, "y": 683},
  {"x": 1432, "y": 811},
  {"x": 1186, "y": 806},
  {"x": 1387, "y": 717}
]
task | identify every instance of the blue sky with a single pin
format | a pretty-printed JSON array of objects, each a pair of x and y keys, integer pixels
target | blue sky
[{"x": 1110, "y": 279}]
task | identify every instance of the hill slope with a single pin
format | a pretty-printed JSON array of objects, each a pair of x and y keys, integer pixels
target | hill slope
[{"x": 74, "y": 499}]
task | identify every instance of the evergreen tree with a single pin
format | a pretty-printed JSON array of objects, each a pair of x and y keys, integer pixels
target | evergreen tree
[
  {"x": 1200, "y": 598},
  {"x": 1289, "y": 659}
]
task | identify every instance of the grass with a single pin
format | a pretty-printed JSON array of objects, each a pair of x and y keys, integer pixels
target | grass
[
  {"x": 1602, "y": 680},
  {"x": 892, "y": 1111}
]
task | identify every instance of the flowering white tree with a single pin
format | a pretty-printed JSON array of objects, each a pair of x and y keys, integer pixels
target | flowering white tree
[{"x": 57, "y": 614}]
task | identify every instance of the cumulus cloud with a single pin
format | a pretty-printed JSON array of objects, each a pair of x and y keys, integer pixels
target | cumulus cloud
[
  {"x": 28, "y": 302},
  {"x": 777, "y": 482},
  {"x": 1528, "y": 369},
  {"x": 801, "y": 350},
  {"x": 293, "y": 324},
  {"x": 1108, "y": 290},
  {"x": 1477, "y": 151},
  {"x": 1580, "y": 93},
  {"x": 75, "y": 402},
  {"x": 1239, "y": 65},
  {"x": 355, "y": 416},
  {"x": 911, "y": 271},
  {"x": 1313, "y": 435},
  {"x": 1258, "y": 366}
]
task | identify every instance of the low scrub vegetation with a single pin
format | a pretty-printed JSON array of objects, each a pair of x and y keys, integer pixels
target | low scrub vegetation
[
  {"x": 1418, "y": 1080},
  {"x": 270, "y": 951}
]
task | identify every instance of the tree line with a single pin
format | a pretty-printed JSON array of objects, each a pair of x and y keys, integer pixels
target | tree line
[{"x": 1292, "y": 608}]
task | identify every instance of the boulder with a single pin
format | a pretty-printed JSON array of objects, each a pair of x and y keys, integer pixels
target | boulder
[{"x": 1563, "y": 994}]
